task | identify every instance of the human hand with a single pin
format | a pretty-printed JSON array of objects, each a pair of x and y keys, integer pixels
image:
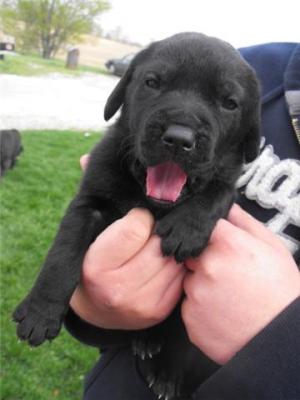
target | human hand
[
  {"x": 126, "y": 283},
  {"x": 239, "y": 284}
]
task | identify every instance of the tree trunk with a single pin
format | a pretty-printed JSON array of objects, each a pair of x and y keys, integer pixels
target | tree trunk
[
  {"x": 46, "y": 53},
  {"x": 47, "y": 46}
]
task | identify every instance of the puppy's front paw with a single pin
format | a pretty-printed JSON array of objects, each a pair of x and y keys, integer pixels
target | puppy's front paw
[
  {"x": 181, "y": 238},
  {"x": 37, "y": 321}
]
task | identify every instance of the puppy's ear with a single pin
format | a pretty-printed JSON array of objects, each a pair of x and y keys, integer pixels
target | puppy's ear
[
  {"x": 117, "y": 97},
  {"x": 252, "y": 140},
  {"x": 252, "y": 121}
]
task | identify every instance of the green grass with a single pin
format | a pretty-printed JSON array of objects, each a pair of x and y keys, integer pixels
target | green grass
[
  {"x": 32, "y": 65},
  {"x": 33, "y": 198}
]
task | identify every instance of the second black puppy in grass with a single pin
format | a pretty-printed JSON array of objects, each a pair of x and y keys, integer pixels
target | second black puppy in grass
[
  {"x": 189, "y": 119},
  {"x": 10, "y": 149}
]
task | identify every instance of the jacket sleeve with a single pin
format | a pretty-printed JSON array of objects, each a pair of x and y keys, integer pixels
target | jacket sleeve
[
  {"x": 268, "y": 368},
  {"x": 94, "y": 336}
]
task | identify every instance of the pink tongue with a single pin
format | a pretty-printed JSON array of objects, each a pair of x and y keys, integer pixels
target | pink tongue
[{"x": 165, "y": 181}]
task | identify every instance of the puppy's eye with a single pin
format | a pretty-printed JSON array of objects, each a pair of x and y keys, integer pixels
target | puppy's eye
[
  {"x": 229, "y": 103},
  {"x": 152, "y": 83}
]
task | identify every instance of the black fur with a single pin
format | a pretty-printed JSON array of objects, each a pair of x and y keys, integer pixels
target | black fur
[
  {"x": 10, "y": 149},
  {"x": 190, "y": 80}
]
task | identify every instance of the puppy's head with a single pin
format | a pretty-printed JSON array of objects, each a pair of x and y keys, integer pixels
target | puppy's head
[{"x": 190, "y": 107}]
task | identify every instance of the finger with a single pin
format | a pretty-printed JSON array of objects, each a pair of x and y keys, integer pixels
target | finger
[
  {"x": 225, "y": 238},
  {"x": 225, "y": 231},
  {"x": 147, "y": 263},
  {"x": 167, "y": 284},
  {"x": 172, "y": 293},
  {"x": 84, "y": 161},
  {"x": 236, "y": 233},
  {"x": 190, "y": 282},
  {"x": 121, "y": 240},
  {"x": 241, "y": 219}
]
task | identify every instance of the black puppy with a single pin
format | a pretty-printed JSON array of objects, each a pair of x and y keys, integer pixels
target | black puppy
[
  {"x": 189, "y": 119},
  {"x": 10, "y": 149}
]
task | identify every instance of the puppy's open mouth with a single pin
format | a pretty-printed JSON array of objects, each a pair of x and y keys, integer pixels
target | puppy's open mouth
[{"x": 165, "y": 182}]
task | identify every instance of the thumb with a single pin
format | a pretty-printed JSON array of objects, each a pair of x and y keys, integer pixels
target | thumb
[
  {"x": 241, "y": 219},
  {"x": 84, "y": 160},
  {"x": 122, "y": 239}
]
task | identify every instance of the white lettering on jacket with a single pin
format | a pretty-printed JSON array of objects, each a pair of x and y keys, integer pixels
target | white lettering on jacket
[{"x": 275, "y": 183}]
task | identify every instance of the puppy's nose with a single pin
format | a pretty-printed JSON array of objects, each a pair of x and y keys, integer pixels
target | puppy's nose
[{"x": 179, "y": 136}]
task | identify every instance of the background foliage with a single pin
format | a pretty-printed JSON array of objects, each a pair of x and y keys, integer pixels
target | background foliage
[{"x": 47, "y": 25}]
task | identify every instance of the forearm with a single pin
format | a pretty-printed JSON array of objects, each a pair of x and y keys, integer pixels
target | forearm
[
  {"x": 92, "y": 335},
  {"x": 266, "y": 368}
]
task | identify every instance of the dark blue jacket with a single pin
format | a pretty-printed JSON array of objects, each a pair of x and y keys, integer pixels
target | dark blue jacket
[{"x": 268, "y": 367}]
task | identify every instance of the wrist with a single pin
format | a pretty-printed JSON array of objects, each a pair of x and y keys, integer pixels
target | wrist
[{"x": 84, "y": 308}]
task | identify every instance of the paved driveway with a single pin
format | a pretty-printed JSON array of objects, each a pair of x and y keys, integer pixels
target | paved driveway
[{"x": 54, "y": 101}]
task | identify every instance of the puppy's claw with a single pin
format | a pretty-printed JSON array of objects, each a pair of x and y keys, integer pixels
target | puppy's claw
[
  {"x": 151, "y": 384},
  {"x": 144, "y": 348},
  {"x": 151, "y": 380}
]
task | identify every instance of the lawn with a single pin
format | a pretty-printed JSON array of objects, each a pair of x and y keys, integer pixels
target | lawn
[
  {"x": 32, "y": 65},
  {"x": 33, "y": 198}
]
